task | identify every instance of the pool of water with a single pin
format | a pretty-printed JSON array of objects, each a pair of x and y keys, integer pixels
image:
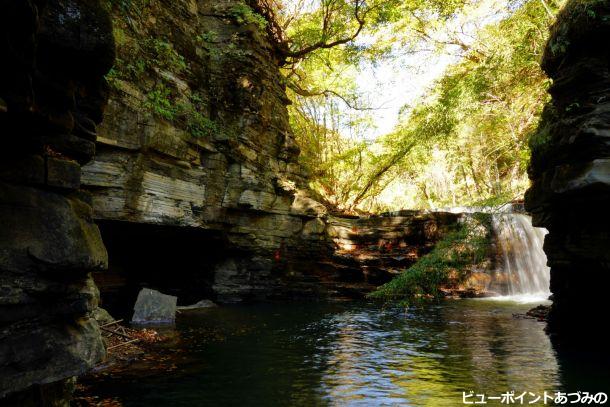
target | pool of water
[{"x": 354, "y": 354}]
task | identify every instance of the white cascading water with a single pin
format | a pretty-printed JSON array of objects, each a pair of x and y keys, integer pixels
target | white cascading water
[{"x": 524, "y": 272}]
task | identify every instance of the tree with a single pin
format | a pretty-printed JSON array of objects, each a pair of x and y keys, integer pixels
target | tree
[{"x": 465, "y": 143}]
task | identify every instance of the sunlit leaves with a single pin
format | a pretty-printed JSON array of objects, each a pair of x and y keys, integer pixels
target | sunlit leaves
[{"x": 465, "y": 143}]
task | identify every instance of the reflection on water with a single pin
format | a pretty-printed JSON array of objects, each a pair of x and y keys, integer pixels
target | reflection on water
[{"x": 350, "y": 354}]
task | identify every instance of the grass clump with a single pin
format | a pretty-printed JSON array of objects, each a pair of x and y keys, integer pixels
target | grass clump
[{"x": 447, "y": 265}]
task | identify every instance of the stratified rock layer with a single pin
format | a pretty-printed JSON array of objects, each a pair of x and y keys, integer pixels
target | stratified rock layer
[
  {"x": 54, "y": 56},
  {"x": 570, "y": 169},
  {"x": 196, "y": 145},
  {"x": 197, "y": 136}
]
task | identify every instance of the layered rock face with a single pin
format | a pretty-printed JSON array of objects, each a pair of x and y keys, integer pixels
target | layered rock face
[
  {"x": 570, "y": 168},
  {"x": 196, "y": 145},
  {"x": 52, "y": 93},
  {"x": 197, "y": 136}
]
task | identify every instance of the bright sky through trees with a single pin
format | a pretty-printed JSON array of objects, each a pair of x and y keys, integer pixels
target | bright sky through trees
[
  {"x": 416, "y": 103},
  {"x": 406, "y": 77}
]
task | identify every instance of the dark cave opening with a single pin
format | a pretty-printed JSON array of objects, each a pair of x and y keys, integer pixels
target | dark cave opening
[{"x": 175, "y": 260}]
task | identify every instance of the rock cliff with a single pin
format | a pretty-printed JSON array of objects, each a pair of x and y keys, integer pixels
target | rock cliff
[
  {"x": 196, "y": 135},
  {"x": 52, "y": 93},
  {"x": 196, "y": 145},
  {"x": 570, "y": 167}
]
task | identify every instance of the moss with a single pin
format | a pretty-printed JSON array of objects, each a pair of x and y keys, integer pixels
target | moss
[
  {"x": 208, "y": 37},
  {"x": 197, "y": 124},
  {"x": 158, "y": 60},
  {"x": 143, "y": 57},
  {"x": 160, "y": 102},
  {"x": 469, "y": 244},
  {"x": 209, "y": 42}
]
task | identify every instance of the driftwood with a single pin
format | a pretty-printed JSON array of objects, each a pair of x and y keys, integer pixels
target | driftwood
[
  {"x": 121, "y": 334},
  {"x": 118, "y": 321},
  {"x": 122, "y": 344},
  {"x": 115, "y": 329}
]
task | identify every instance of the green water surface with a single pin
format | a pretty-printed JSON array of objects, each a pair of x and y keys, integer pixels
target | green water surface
[{"x": 355, "y": 353}]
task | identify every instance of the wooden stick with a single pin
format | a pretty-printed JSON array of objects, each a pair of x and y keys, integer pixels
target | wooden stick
[
  {"x": 122, "y": 344},
  {"x": 111, "y": 323},
  {"x": 116, "y": 333}
]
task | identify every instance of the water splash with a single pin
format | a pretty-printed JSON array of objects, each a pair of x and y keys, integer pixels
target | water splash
[{"x": 523, "y": 275}]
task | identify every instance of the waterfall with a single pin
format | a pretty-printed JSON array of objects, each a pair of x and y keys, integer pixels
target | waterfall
[{"x": 523, "y": 271}]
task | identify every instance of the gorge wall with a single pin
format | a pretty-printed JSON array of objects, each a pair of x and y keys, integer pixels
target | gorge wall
[
  {"x": 52, "y": 93},
  {"x": 196, "y": 145},
  {"x": 570, "y": 169},
  {"x": 196, "y": 136}
]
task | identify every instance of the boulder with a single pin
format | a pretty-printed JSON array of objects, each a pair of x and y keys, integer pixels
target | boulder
[{"x": 153, "y": 307}]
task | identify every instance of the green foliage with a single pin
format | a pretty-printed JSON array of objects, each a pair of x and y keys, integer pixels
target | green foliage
[
  {"x": 335, "y": 25},
  {"x": 243, "y": 14},
  {"x": 198, "y": 125},
  {"x": 449, "y": 263},
  {"x": 336, "y": 162},
  {"x": 162, "y": 53},
  {"x": 160, "y": 103},
  {"x": 156, "y": 62},
  {"x": 483, "y": 112},
  {"x": 208, "y": 37},
  {"x": 539, "y": 140},
  {"x": 465, "y": 143},
  {"x": 137, "y": 59}
]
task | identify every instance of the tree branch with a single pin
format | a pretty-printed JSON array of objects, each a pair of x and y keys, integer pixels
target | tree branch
[
  {"x": 326, "y": 92},
  {"x": 326, "y": 24}
]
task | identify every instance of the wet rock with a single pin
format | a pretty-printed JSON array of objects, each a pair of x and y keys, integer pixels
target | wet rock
[
  {"x": 56, "y": 394},
  {"x": 153, "y": 307},
  {"x": 541, "y": 312},
  {"x": 64, "y": 350}
]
